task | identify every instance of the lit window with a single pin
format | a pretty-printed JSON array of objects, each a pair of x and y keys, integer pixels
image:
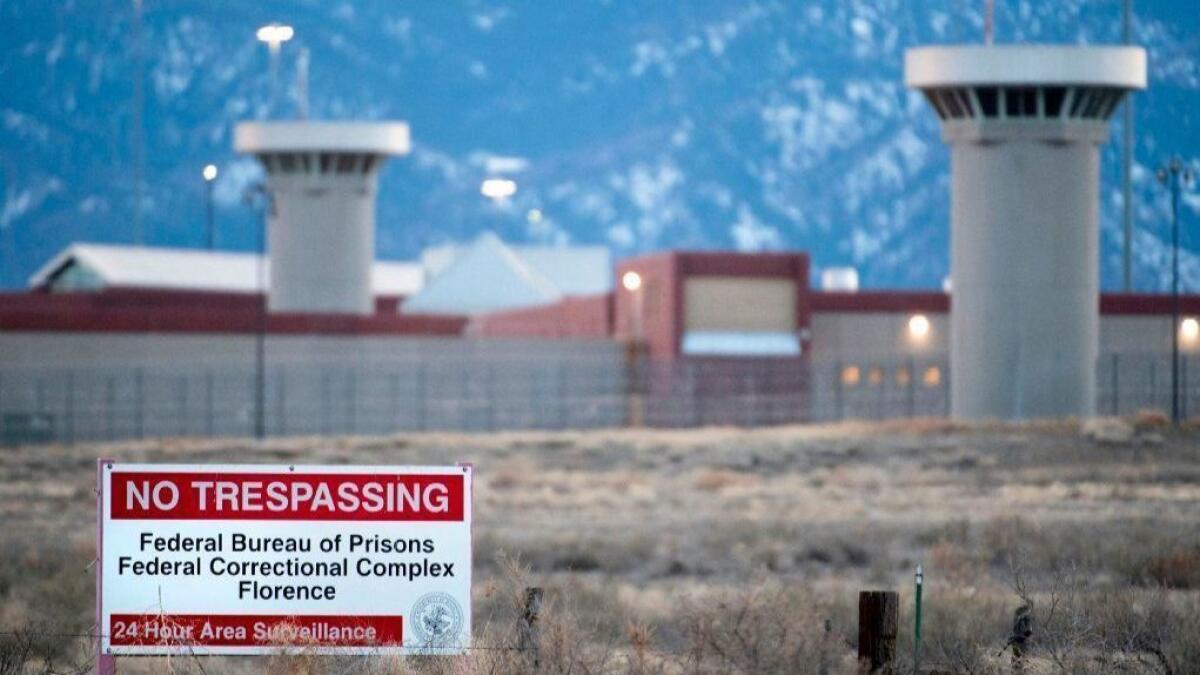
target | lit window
[
  {"x": 918, "y": 326},
  {"x": 850, "y": 376},
  {"x": 932, "y": 376},
  {"x": 903, "y": 377},
  {"x": 1189, "y": 330},
  {"x": 875, "y": 376}
]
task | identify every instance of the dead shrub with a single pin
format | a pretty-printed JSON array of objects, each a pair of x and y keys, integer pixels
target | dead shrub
[
  {"x": 716, "y": 480},
  {"x": 1148, "y": 419},
  {"x": 1180, "y": 569},
  {"x": 951, "y": 562},
  {"x": 768, "y": 630}
]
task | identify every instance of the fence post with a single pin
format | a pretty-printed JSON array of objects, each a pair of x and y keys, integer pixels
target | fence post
[
  {"x": 562, "y": 395},
  {"x": 910, "y": 389},
  {"x": 1153, "y": 384},
  {"x": 182, "y": 405},
  {"x": 281, "y": 402},
  {"x": 70, "y": 406},
  {"x": 208, "y": 403},
  {"x": 530, "y": 632},
  {"x": 878, "y": 614},
  {"x": 139, "y": 399},
  {"x": 110, "y": 402},
  {"x": 1116, "y": 384},
  {"x": 422, "y": 389},
  {"x": 490, "y": 395},
  {"x": 839, "y": 411},
  {"x": 326, "y": 413},
  {"x": 946, "y": 390},
  {"x": 394, "y": 406},
  {"x": 351, "y": 400},
  {"x": 1183, "y": 387}
]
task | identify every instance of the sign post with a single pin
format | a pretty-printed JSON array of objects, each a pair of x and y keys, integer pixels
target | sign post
[{"x": 259, "y": 559}]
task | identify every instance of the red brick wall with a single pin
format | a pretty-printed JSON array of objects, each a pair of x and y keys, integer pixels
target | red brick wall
[
  {"x": 138, "y": 311},
  {"x": 663, "y": 278},
  {"x": 573, "y": 317}
]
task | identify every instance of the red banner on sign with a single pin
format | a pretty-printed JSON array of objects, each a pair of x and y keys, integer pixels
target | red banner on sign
[
  {"x": 249, "y": 630},
  {"x": 286, "y": 496}
]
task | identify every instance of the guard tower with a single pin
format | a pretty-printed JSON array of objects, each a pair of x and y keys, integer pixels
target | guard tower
[
  {"x": 322, "y": 178},
  {"x": 1024, "y": 125}
]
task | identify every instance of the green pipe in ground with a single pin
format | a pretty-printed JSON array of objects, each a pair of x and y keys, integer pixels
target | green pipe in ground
[{"x": 917, "y": 624}]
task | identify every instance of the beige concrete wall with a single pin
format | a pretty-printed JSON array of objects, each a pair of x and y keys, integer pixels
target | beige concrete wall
[
  {"x": 152, "y": 350},
  {"x": 850, "y": 335},
  {"x": 741, "y": 304}
]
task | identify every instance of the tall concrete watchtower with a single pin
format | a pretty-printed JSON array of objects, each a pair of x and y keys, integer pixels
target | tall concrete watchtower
[
  {"x": 1024, "y": 125},
  {"x": 322, "y": 177}
]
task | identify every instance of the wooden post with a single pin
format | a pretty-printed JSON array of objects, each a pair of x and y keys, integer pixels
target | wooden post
[
  {"x": 529, "y": 631},
  {"x": 878, "y": 614}
]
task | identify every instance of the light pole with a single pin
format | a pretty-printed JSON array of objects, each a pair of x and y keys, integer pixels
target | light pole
[
  {"x": 1174, "y": 175},
  {"x": 259, "y": 196},
  {"x": 631, "y": 281},
  {"x": 1127, "y": 163},
  {"x": 274, "y": 35},
  {"x": 210, "y": 232}
]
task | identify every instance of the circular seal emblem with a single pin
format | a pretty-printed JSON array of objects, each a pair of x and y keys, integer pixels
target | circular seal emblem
[{"x": 437, "y": 620}]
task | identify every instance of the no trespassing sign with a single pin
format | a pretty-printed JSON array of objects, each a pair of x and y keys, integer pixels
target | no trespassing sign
[{"x": 241, "y": 559}]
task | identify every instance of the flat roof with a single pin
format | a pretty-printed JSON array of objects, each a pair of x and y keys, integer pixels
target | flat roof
[
  {"x": 380, "y": 138},
  {"x": 1065, "y": 65}
]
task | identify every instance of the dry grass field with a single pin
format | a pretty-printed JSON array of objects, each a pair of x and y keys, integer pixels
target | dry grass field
[{"x": 725, "y": 550}]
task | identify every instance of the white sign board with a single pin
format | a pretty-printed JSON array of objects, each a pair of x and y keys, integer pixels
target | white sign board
[{"x": 249, "y": 559}]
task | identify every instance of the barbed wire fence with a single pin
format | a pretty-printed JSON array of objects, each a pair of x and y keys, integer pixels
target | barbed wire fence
[{"x": 68, "y": 405}]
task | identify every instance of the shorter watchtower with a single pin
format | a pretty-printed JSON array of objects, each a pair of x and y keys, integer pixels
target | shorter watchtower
[{"x": 322, "y": 178}]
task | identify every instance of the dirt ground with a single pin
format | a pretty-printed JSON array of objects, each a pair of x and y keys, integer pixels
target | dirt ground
[{"x": 646, "y": 539}]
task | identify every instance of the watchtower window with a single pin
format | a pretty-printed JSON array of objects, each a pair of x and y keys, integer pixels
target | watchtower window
[
  {"x": 989, "y": 101},
  {"x": 1082, "y": 98},
  {"x": 1054, "y": 100},
  {"x": 951, "y": 103}
]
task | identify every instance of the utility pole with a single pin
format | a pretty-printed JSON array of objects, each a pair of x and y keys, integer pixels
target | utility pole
[
  {"x": 1174, "y": 174},
  {"x": 1127, "y": 164}
]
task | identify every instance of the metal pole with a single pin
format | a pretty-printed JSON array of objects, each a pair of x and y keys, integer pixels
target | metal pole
[
  {"x": 1127, "y": 164},
  {"x": 208, "y": 404},
  {"x": 917, "y": 622},
  {"x": 1116, "y": 384},
  {"x": 260, "y": 338},
  {"x": 210, "y": 231},
  {"x": 1174, "y": 294},
  {"x": 273, "y": 49},
  {"x": 302, "y": 84}
]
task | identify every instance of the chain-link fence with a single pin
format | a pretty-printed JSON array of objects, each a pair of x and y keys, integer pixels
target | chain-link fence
[{"x": 479, "y": 394}]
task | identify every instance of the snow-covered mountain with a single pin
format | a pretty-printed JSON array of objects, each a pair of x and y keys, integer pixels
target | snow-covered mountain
[{"x": 752, "y": 124}]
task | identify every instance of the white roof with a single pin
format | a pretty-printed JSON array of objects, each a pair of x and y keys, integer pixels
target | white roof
[
  {"x": 199, "y": 270},
  {"x": 574, "y": 270},
  {"x": 1030, "y": 65},
  {"x": 488, "y": 275},
  {"x": 382, "y": 138}
]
